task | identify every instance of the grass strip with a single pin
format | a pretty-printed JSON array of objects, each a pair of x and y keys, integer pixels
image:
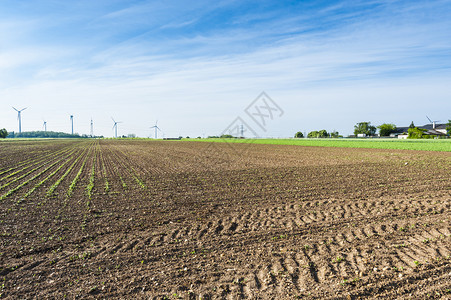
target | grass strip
[{"x": 377, "y": 143}]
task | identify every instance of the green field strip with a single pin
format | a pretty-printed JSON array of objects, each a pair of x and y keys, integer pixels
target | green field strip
[
  {"x": 35, "y": 162},
  {"x": 77, "y": 177},
  {"x": 443, "y": 145},
  {"x": 47, "y": 178},
  {"x": 57, "y": 183},
  {"x": 28, "y": 173}
]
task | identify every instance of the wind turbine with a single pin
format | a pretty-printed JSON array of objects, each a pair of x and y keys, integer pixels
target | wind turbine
[
  {"x": 72, "y": 122},
  {"x": 18, "y": 117},
  {"x": 44, "y": 126},
  {"x": 156, "y": 128},
  {"x": 115, "y": 127},
  {"x": 433, "y": 122}
]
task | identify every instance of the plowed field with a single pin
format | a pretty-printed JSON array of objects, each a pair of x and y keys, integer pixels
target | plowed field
[{"x": 167, "y": 219}]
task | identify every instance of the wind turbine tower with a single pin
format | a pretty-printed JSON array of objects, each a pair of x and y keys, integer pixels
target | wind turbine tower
[
  {"x": 92, "y": 129},
  {"x": 19, "y": 117},
  {"x": 115, "y": 127},
  {"x": 72, "y": 123},
  {"x": 45, "y": 126},
  {"x": 433, "y": 122},
  {"x": 156, "y": 128}
]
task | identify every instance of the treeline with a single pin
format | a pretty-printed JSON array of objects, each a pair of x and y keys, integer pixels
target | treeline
[
  {"x": 365, "y": 129},
  {"x": 47, "y": 134},
  {"x": 319, "y": 134}
]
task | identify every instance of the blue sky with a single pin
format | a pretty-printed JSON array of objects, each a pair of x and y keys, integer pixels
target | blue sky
[{"x": 195, "y": 66}]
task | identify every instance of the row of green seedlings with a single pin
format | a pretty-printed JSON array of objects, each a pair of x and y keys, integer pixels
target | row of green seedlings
[
  {"x": 77, "y": 177},
  {"x": 91, "y": 179},
  {"x": 102, "y": 160},
  {"x": 10, "y": 192},
  {"x": 131, "y": 170},
  {"x": 41, "y": 162},
  {"x": 47, "y": 178},
  {"x": 86, "y": 152},
  {"x": 17, "y": 165},
  {"x": 124, "y": 185},
  {"x": 89, "y": 189},
  {"x": 32, "y": 161},
  {"x": 57, "y": 183}
]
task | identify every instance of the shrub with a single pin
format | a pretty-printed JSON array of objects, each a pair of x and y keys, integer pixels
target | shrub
[
  {"x": 417, "y": 133},
  {"x": 386, "y": 129},
  {"x": 3, "y": 133},
  {"x": 299, "y": 135},
  {"x": 364, "y": 128}
]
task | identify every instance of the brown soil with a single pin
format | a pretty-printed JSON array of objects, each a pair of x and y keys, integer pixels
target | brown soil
[{"x": 199, "y": 220}]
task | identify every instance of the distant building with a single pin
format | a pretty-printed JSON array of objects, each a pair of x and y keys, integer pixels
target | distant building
[
  {"x": 435, "y": 129},
  {"x": 399, "y": 131},
  {"x": 432, "y": 129},
  {"x": 171, "y": 139}
]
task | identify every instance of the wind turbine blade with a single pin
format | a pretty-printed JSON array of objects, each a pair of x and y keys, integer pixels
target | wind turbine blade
[
  {"x": 23, "y": 108},
  {"x": 15, "y": 108},
  {"x": 113, "y": 120},
  {"x": 429, "y": 119}
]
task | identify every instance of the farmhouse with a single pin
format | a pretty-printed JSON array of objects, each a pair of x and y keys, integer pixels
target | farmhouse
[{"x": 432, "y": 129}]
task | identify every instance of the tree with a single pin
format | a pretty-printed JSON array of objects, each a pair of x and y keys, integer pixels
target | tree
[
  {"x": 417, "y": 133},
  {"x": 334, "y": 134},
  {"x": 318, "y": 134},
  {"x": 312, "y": 134},
  {"x": 323, "y": 133},
  {"x": 385, "y": 129},
  {"x": 299, "y": 135},
  {"x": 364, "y": 128},
  {"x": 448, "y": 128},
  {"x": 3, "y": 133},
  {"x": 412, "y": 125},
  {"x": 45, "y": 134}
]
